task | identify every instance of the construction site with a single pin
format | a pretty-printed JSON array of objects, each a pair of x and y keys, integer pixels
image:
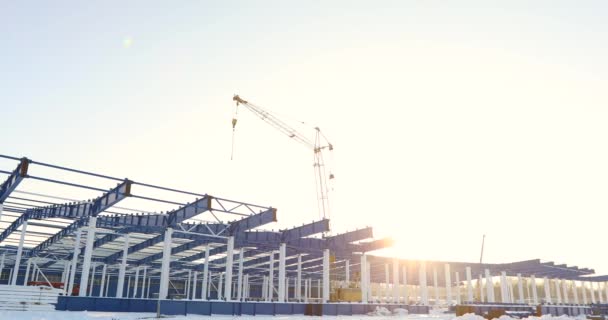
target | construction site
[{"x": 131, "y": 246}]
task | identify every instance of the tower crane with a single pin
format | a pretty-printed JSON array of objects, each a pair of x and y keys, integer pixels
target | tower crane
[{"x": 319, "y": 145}]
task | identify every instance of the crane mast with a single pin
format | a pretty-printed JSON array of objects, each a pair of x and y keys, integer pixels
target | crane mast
[{"x": 318, "y": 146}]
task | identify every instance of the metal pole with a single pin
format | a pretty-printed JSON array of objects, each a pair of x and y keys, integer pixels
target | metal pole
[
  {"x": 27, "y": 272},
  {"x": 534, "y": 290},
  {"x": 299, "y": 279},
  {"x": 229, "y": 257},
  {"x": 363, "y": 278},
  {"x": 194, "y": 281},
  {"x": 239, "y": 290},
  {"x": 136, "y": 282},
  {"x": 406, "y": 296},
  {"x": 325, "y": 275},
  {"x": 448, "y": 284},
  {"x": 271, "y": 278},
  {"x": 93, "y": 266},
  {"x": 520, "y": 288},
  {"x": 547, "y": 290},
  {"x": 469, "y": 285},
  {"x": 74, "y": 262},
  {"x": 489, "y": 286},
  {"x": 282, "y": 252},
  {"x": 123, "y": 268},
  {"x": 205, "y": 290},
  {"x": 143, "y": 283},
  {"x": 19, "y": 253},
  {"x": 103, "y": 281},
  {"x": 166, "y": 265},
  {"x": 424, "y": 294},
  {"x": 395, "y": 281},
  {"x": 88, "y": 253}
]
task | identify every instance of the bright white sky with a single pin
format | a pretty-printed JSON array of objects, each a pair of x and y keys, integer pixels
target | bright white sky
[{"x": 449, "y": 120}]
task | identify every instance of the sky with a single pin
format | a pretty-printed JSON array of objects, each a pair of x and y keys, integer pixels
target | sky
[{"x": 450, "y": 120}]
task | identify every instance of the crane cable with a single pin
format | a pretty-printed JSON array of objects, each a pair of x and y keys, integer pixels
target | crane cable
[{"x": 234, "y": 121}]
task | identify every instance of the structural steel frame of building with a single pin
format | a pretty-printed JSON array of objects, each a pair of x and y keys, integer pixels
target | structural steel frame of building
[{"x": 54, "y": 234}]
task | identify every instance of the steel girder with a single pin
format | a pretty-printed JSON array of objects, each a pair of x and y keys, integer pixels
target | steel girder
[
  {"x": 80, "y": 210},
  {"x": 14, "y": 179}
]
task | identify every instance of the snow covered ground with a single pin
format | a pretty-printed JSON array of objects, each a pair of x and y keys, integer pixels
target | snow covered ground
[{"x": 67, "y": 315}]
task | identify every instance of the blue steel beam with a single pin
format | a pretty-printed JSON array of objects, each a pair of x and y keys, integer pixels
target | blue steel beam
[
  {"x": 270, "y": 240},
  {"x": 201, "y": 229},
  {"x": 247, "y": 223},
  {"x": 97, "y": 206},
  {"x": 72, "y": 210},
  {"x": 14, "y": 179},
  {"x": 172, "y": 218}
]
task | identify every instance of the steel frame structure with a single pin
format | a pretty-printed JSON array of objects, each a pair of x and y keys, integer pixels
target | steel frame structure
[{"x": 99, "y": 238}]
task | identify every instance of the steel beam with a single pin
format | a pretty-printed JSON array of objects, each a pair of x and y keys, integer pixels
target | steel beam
[{"x": 14, "y": 179}]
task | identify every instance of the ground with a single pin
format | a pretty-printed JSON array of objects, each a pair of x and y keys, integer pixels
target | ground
[{"x": 67, "y": 315}]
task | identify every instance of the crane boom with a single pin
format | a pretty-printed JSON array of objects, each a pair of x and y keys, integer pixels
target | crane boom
[{"x": 318, "y": 145}]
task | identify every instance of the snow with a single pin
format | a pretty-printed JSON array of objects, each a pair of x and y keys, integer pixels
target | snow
[{"x": 378, "y": 314}]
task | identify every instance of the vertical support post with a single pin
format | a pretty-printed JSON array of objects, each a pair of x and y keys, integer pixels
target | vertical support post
[
  {"x": 565, "y": 291},
  {"x": 489, "y": 286},
  {"x": 347, "y": 272},
  {"x": 558, "y": 293},
  {"x": 592, "y": 292},
  {"x": 504, "y": 290},
  {"x": 194, "y": 281},
  {"x": 107, "y": 286},
  {"x": 547, "y": 287},
  {"x": 19, "y": 253},
  {"x": 228, "y": 289},
  {"x": 270, "y": 295},
  {"x": 363, "y": 278},
  {"x": 325, "y": 275},
  {"x": 534, "y": 290},
  {"x": 239, "y": 290},
  {"x": 305, "y": 290},
  {"x": 2, "y": 261},
  {"x": 435, "y": 286},
  {"x": 520, "y": 289},
  {"x": 574, "y": 291},
  {"x": 406, "y": 296},
  {"x": 448, "y": 285},
  {"x": 27, "y": 271},
  {"x": 395, "y": 280},
  {"x": 103, "y": 281},
  {"x": 143, "y": 282},
  {"x": 92, "y": 283},
  {"x": 88, "y": 253},
  {"x": 136, "y": 282},
  {"x": 386, "y": 295},
  {"x": 457, "y": 288},
  {"x": 282, "y": 252},
  {"x": 599, "y": 292},
  {"x": 370, "y": 296},
  {"x": 584, "y": 290},
  {"x": 469, "y": 285},
  {"x": 424, "y": 294},
  {"x": 148, "y": 289},
  {"x": 299, "y": 279},
  {"x": 128, "y": 287},
  {"x": 319, "y": 289},
  {"x": 123, "y": 267},
  {"x": 220, "y": 287},
  {"x": 480, "y": 287},
  {"x": 187, "y": 286},
  {"x": 204, "y": 290},
  {"x": 74, "y": 262},
  {"x": 165, "y": 265}
]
